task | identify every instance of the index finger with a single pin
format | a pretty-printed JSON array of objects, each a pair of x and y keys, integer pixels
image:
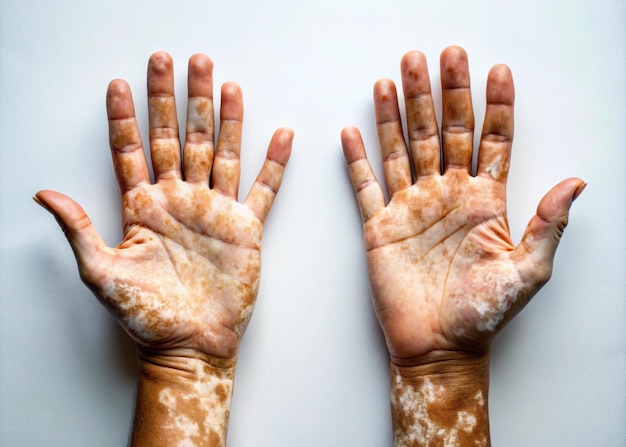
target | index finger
[
  {"x": 129, "y": 160},
  {"x": 265, "y": 188},
  {"x": 494, "y": 152}
]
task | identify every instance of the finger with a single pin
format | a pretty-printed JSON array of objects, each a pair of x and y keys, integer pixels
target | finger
[
  {"x": 369, "y": 193},
  {"x": 396, "y": 165},
  {"x": 227, "y": 165},
  {"x": 85, "y": 241},
  {"x": 129, "y": 160},
  {"x": 265, "y": 188},
  {"x": 494, "y": 152},
  {"x": 542, "y": 236},
  {"x": 198, "y": 150},
  {"x": 458, "y": 117},
  {"x": 422, "y": 125},
  {"x": 164, "y": 142}
]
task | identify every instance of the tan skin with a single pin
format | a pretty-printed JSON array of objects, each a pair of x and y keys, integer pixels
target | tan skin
[
  {"x": 184, "y": 279},
  {"x": 444, "y": 273}
]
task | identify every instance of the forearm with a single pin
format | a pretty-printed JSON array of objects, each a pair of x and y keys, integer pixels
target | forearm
[
  {"x": 441, "y": 403},
  {"x": 182, "y": 401}
]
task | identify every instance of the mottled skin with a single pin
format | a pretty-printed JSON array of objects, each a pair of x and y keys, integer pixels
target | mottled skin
[
  {"x": 445, "y": 276},
  {"x": 184, "y": 280}
]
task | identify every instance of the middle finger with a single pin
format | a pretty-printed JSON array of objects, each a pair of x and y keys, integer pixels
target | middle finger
[{"x": 458, "y": 115}]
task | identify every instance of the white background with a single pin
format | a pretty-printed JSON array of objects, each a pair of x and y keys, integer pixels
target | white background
[{"x": 313, "y": 367}]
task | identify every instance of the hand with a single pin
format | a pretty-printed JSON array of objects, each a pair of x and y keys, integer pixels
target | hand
[
  {"x": 445, "y": 275},
  {"x": 186, "y": 275},
  {"x": 184, "y": 280}
]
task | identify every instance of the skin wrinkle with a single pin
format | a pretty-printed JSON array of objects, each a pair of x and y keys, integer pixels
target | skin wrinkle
[
  {"x": 198, "y": 412},
  {"x": 431, "y": 227},
  {"x": 163, "y": 120},
  {"x": 145, "y": 210},
  {"x": 144, "y": 313},
  {"x": 165, "y": 156},
  {"x": 123, "y": 135},
  {"x": 422, "y": 417},
  {"x": 447, "y": 276}
]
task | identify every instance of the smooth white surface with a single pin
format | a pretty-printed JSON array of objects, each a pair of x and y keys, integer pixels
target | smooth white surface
[{"x": 313, "y": 367}]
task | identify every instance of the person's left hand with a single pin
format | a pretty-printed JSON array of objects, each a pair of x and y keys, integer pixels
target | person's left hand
[{"x": 444, "y": 273}]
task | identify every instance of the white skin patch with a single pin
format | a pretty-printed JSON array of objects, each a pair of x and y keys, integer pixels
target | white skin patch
[
  {"x": 495, "y": 167},
  {"x": 208, "y": 401},
  {"x": 483, "y": 297},
  {"x": 199, "y": 111},
  {"x": 504, "y": 292},
  {"x": 411, "y": 404}
]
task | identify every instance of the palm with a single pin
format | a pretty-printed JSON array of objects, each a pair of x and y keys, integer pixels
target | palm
[
  {"x": 182, "y": 277},
  {"x": 454, "y": 280}
]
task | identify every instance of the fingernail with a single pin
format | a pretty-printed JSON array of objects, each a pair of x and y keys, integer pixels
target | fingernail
[
  {"x": 41, "y": 204},
  {"x": 579, "y": 191}
]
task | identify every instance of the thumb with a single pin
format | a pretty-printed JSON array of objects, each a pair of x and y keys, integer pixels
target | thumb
[
  {"x": 544, "y": 231},
  {"x": 85, "y": 241}
]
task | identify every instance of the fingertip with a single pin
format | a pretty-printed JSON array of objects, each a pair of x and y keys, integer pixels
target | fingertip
[
  {"x": 230, "y": 89},
  {"x": 160, "y": 62},
  {"x": 281, "y": 145},
  {"x": 415, "y": 78},
  {"x": 352, "y": 144},
  {"x": 454, "y": 52},
  {"x": 66, "y": 210},
  {"x": 454, "y": 67},
  {"x": 412, "y": 58},
  {"x": 384, "y": 90},
  {"x": 231, "y": 102},
  {"x": 200, "y": 63},
  {"x": 579, "y": 189},
  {"x": 500, "y": 88},
  {"x": 200, "y": 76},
  {"x": 349, "y": 133},
  {"x": 117, "y": 87},
  {"x": 40, "y": 199},
  {"x": 119, "y": 100},
  {"x": 555, "y": 205},
  {"x": 286, "y": 132}
]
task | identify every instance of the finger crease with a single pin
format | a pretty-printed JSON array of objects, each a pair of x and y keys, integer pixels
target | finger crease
[
  {"x": 395, "y": 155},
  {"x": 457, "y": 129},
  {"x": 128, "y": 148},
  {"x": 266, "y": 186}
]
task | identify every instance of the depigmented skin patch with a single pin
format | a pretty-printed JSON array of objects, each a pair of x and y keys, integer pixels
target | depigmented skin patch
[
  {"x": 183, "y": 284},
  {"x": 191, "y": 279},
  {"x": 192, "y": 396},
  {"x": 438, "y": 410},
  {"x": 445, "y": 276},
  {"x": 445, "y": 243},
  {"x": 184, "y": 279}
]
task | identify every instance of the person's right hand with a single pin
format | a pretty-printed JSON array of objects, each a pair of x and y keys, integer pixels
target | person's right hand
[{"x": 185, "y": 277}]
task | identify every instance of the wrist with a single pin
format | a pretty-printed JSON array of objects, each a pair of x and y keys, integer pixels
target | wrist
[
  {"x": 444, "y": 401},
  {"x": 183, "y": 398}
]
